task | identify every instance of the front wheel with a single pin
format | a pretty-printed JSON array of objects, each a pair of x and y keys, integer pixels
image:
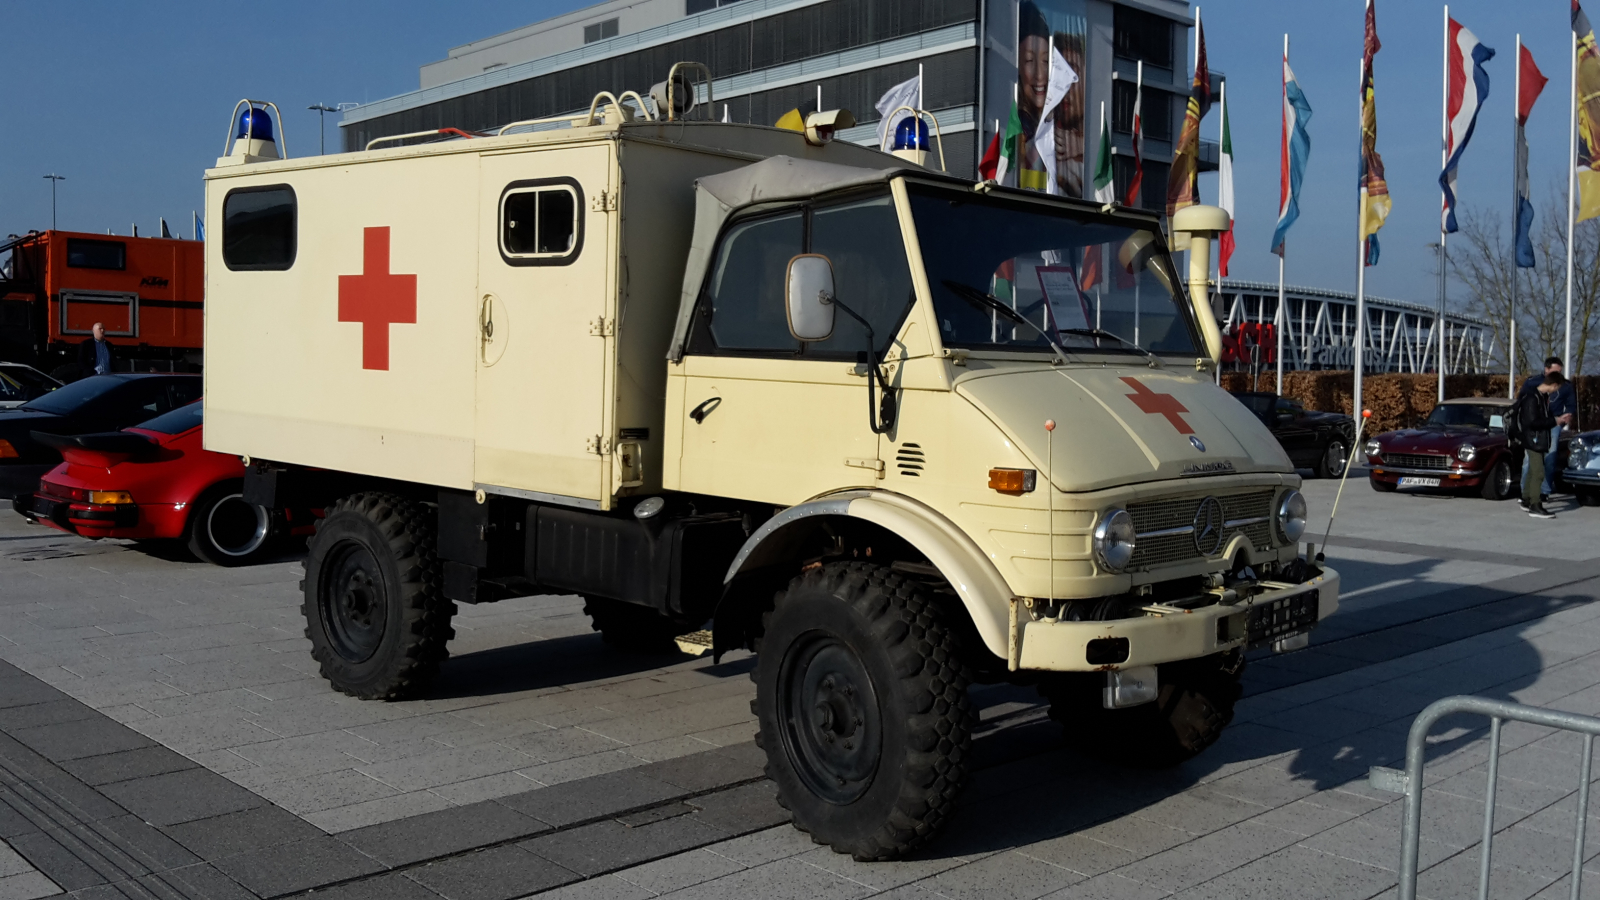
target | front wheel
[
  {"x": 224, "y": 530},
  {"x": 1500, "y": 482},
  {"x": 1332, "y": 462},
  {"x": 862, "y": 704},
  {"x": 1194, "y": 703},
  {"x": 376, "y": 617}
]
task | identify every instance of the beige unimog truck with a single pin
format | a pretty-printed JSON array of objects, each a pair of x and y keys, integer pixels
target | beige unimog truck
[{"x": 894, "y": 431}]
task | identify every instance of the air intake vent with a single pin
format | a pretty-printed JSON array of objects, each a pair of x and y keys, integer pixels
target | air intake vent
[{"x": 910, "y": 460}]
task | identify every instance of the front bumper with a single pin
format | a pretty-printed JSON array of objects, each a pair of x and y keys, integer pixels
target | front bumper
[
  {"x": 1588, "y": 477},
  {"x": 1277, "y": 610},
  {"x": 1455, "y": 476}
]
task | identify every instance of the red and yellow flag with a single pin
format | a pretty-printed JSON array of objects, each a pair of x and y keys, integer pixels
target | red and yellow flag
[{"x": 1183, "y": 185}]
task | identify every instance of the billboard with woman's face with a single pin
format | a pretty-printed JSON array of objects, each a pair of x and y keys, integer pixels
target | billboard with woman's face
[{"x": 1045, "y": 28}]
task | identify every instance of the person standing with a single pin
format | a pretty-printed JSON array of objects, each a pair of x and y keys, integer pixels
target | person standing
[
  {"x": 1534, "y": 424},
  {"x": 96, "y": 354},
  {"x": 1563, "y": 406}
]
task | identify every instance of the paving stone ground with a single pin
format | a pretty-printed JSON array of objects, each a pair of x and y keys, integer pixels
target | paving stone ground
[{"x": 163, "y": 732}]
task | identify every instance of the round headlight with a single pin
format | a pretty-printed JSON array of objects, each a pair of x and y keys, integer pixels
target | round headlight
[
  {"x": 1466, "y": 452},
  {"x": 1292, "y": 516},
  {"x": 1114, "y": 540},
  {"x": 1372, "y": 448}
]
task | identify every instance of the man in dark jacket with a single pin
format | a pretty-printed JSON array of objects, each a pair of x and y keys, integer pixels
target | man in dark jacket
[
  {"x": 95, "y": 355},
  {"x": 1534, "y": 424},
  {"x": 1563, "y": 404}
]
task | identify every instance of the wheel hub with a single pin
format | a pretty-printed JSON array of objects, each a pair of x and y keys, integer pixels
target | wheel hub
[
  {"x": 832, "y": 728},
  {"x": 353, "y": 602}
]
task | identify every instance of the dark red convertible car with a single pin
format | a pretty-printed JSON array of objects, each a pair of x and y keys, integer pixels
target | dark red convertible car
[
  {"x": 153, "y": 481},
  {"x": 1462, "y": 446}
]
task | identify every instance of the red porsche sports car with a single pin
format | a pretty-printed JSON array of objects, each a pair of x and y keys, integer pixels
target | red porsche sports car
[{"x": 152, "y": 481}]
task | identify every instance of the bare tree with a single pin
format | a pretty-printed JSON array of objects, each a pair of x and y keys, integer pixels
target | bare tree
[{"x": 1486, "y": 266}]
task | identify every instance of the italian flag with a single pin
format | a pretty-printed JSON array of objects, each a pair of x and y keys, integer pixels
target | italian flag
[
  {"x": 1001, "y": 156},
  {"x": 1225, "y": 189},
  {"x": 1104, "y": 190}
]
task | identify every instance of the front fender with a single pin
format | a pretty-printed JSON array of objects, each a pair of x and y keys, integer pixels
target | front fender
[{"x": 971, "y": 575}]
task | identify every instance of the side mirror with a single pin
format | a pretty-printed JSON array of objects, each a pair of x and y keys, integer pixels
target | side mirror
[{"x": 808, "y": 297}]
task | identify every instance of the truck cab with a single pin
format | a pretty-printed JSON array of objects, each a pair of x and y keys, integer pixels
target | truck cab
[{"x": 894, "y": 431}]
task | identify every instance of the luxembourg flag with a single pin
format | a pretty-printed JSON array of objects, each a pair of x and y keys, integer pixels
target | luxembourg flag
[
  {"x": 1464, "y": 96},
  {"x": 1293, "y": 151}
]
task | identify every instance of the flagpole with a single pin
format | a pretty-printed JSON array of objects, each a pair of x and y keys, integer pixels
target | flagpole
[
  {"x": 1444, "y": 160},
  {"x": 1572, "y": 196},
  {"x": 1278, "y": 320},
  {"x": 1361, "y": 242},
  {"x": 1516, "y": 214}
]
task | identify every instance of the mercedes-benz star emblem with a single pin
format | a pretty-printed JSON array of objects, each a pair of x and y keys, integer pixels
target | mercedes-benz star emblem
[
  {"x": 1198, "y": 445},
  {"x": 1208, "y": 527}
]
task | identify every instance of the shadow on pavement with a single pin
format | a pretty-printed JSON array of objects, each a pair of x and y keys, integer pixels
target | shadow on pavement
[
  {"x": 1028, "y": 787},
  {"x": 555, "y": 662}
]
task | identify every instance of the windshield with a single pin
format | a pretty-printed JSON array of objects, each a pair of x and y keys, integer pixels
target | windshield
[
  {"x": 1456, "y": 415},
  {"x": 62, "y": 401},
  {"x": 179, "y": 420},
  {"x": 23, "y": 383},
  {"x": 1068, "y": 272}
]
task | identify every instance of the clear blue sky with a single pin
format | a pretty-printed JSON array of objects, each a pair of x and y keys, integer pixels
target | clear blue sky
[{"x": 130, "y": 102}]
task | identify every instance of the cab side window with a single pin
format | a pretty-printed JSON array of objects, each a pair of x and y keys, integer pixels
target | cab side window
[
  {"x": 744, "y": 301},
  {"x": 540, "y": 222},
  {"x": 870, "y": 273}
]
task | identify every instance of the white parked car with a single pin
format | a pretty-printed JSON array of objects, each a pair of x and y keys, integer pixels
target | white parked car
[{"x": 20, "y": 383}]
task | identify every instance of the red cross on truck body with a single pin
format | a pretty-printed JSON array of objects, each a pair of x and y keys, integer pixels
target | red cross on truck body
[{"x": 376, "y": 298}]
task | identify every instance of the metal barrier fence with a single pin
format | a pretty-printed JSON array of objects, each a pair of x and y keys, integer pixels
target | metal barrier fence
[{"x": 1409, "y": 782}]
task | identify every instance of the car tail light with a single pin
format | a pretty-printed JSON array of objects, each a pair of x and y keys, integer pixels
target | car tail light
[
  {"x": 7, "y": 451},
  {"x": 110, "y": 498},
  {"x": 61, "y": 490}
]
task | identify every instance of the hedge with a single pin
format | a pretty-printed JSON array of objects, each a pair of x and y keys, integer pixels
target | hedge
[{"x": 1397, "y": 400}]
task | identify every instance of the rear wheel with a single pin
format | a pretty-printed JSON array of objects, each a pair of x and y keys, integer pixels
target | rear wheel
[
  {"x": 1500, "y": 482},
  {"x": 628, "y": 626},
  {"x": 376, "y": 617},
  {"x": 224, "y": 530},
  {"x": 1194, "y": 702},
  {"x": 1383, "y": 487},
  {"x": 1332, "y": 462},
  {"x": 862, "y": 704}
]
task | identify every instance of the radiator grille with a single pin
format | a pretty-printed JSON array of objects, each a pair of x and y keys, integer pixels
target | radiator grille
[
  {"x": 1159, "y": 515},
  {"x": 910, "y": 460},
  {"x": 1417, "y": 460}
]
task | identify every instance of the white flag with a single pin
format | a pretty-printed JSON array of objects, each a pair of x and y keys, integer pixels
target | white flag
[
  {"x": 905, "y": 93},
  {"x": 1062, "y": 78}
]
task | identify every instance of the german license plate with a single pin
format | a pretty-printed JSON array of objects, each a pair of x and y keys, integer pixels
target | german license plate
[
  {"x": 1419, "y": 482},
  {"x": 1275, "y": 619}
]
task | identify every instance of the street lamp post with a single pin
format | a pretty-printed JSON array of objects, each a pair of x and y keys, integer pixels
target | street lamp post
[
  {"x": 53, "y": 178},
  {"x": 322, "y": 109}
]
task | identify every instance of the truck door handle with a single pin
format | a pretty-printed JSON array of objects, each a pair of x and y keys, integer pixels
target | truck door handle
[{"x": 699, "y": 413}]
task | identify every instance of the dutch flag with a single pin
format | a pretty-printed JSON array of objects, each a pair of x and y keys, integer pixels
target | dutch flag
[{"x": 1467, "y": 89}]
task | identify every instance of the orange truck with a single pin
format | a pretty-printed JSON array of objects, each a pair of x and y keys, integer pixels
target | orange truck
[{"x": 147, "y": 292}]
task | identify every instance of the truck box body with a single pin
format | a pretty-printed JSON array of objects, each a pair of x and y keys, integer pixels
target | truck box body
[
  {"x": 146, "y": 291},
  {"x": 402, "y": 339}
]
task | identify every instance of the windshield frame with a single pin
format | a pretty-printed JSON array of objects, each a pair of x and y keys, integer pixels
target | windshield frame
[
  {"x": 1090, "y": 213},
  {"x": 1491, "y": 409}
]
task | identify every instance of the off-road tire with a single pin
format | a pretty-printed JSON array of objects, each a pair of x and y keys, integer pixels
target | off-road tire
[
  {"x": 1499, "y": 482},
  {"x": 372, "y": 560},
  {"x": 213, "y": 530},
  {"x": 1382, "y": 487},
  {"x": 1193, "y": 704},
  {"x": 1327, "y": 466},
  {"x": 855, "y": 654},
  {"x": 630, "y": 627}
]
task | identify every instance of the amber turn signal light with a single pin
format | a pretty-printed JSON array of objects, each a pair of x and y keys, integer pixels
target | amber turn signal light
[
  {"x": 110, "y": 497},
  {"x": 7, "y": 451},
  {"x": 1013, "y": 481}
]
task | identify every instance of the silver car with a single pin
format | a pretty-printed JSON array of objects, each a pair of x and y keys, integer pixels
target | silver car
[{"x": 20, "y": 383}]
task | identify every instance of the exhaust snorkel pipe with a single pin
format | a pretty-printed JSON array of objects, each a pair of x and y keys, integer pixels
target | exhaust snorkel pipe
[{"x": 1202, "y": 224}]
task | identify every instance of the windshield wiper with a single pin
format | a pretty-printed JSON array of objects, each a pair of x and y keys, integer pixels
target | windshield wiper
[
  {"x": 1098, "y": 333},
  {"x": 988, "y": 301}
]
